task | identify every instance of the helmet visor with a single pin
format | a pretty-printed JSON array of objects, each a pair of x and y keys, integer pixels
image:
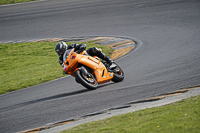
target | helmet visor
[{"x": 60, "y": 52}]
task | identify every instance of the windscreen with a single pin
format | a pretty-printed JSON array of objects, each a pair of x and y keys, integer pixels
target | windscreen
[{"x": 66, "y": 54}]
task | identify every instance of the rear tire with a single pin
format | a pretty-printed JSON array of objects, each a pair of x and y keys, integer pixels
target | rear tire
[
  {"x": 118, "y": 74},
  {"x": 89, "y": 83}
]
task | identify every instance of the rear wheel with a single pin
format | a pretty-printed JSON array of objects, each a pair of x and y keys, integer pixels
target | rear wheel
[
  {"x": 87, "y": 81},
  {"x": 118, "y": 73}
]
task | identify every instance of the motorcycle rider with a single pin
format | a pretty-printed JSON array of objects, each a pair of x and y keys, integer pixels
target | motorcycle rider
[{"x": 61, "y": 47}]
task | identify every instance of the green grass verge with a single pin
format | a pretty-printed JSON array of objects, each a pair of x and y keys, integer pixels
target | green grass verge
[
  {"x": 3, "y": 2},
  {"x": 179, "y": 117},
  {"x": 27, "y": 64}
]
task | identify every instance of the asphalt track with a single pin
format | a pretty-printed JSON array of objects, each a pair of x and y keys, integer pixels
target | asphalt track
[{"x": 166, "y": 59}]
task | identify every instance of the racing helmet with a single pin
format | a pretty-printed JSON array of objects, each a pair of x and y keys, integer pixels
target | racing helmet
[{"x": 60, "y": 48}]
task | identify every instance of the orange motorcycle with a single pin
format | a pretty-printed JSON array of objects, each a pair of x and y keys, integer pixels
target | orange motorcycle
[{"x": 90, "y": 71}]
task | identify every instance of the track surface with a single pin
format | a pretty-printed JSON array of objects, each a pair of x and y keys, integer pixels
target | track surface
[{"x": 168, "y": 58}]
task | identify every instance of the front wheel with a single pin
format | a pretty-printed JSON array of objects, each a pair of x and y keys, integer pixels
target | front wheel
[
  {"x": 87, "y": 81},
  {"x": 118, "y": 73}
]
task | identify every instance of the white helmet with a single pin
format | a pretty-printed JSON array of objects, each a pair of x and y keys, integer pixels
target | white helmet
[{"x": 60, "y": 48}]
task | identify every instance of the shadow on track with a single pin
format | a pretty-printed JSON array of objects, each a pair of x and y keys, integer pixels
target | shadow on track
[
  {"x": 49, "y": 98},
  {"x": 44, "y": 99}
]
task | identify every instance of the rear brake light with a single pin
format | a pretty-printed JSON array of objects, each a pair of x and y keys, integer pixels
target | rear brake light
[{"x": 73, "y": 57}]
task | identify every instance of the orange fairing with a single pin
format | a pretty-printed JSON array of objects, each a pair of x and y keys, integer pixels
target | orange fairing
[
  {"x": 100, "y": 71},
  {"x": 70, "y": 64},
  {"x": 72, "y": 59}
]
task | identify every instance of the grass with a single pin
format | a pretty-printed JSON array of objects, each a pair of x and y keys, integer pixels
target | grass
[
  {"x": 179, "y": 117},
  {"x": 27, "y": 64},
  {"x": 3, "y": 2}
]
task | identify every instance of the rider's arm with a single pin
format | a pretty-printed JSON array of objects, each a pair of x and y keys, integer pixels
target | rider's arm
[
  {"x": 73, "y": 45},
  {"x": 80, "y": 48}
]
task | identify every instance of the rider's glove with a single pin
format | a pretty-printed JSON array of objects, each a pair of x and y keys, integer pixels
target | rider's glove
[{"x": 82, "y": 46}]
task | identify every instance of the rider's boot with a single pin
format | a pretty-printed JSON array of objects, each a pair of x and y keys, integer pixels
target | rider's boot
[{"x": 108, "y": 60}]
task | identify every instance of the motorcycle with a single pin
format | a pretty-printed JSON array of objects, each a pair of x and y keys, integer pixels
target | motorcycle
[{"x": 90, "y": 71}]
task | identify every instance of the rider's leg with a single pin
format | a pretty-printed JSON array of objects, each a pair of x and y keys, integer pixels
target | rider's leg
[{"x": 96, "y": 52}]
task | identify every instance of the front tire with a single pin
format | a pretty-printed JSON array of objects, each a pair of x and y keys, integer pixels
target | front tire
[
  {"x": 118, "y": 74},
  {"x": 88, "y": 82}
]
